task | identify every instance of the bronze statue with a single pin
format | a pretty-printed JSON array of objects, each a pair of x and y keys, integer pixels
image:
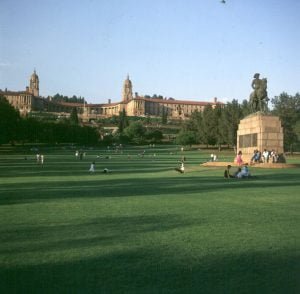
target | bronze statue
[{"x": 259, "y": 97}]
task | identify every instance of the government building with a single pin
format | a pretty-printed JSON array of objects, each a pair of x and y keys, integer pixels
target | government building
[{"x": 29, "y": 101}]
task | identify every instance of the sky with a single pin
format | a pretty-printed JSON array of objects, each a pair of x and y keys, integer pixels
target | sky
[{"x": 185, "y": 49}]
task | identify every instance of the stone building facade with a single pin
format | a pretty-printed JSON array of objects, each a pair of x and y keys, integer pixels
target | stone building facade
[
  {"x": 29, "y": 100},
  {"x": 142, "y": 106}
]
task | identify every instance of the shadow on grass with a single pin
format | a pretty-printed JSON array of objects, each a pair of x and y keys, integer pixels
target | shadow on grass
[
  {"x": 105, "y": 187},
  {"x": 81, "y": 168},
  {"x": 66, "y": 167},
  {"x": 154, "y": 271},
  {"x": 99, "y": 231}
]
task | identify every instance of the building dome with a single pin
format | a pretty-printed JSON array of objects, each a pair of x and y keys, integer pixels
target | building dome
[
  {"x": 34, "y": 84},
  {"x": 127, "y": 82},
  {"x": 34, "y": 76}
]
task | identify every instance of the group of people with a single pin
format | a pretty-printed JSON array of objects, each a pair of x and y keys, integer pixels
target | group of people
[
  {"x": 40, "y": 159},
  {"x": 93, "y": 168},
  {"x": 242, "y": 172},
  {"x": 264, "y": 157},
  {"x": 213, "y": 157},
  {"x": 261, "y": 157},
  {"x": 79, "y": 154}
]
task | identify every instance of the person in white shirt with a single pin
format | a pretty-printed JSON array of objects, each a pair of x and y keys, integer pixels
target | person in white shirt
[
  {"x": 92, "y": 167},
  {"x": 181, "y": 168},
  {"x": 265, "y": 156}
]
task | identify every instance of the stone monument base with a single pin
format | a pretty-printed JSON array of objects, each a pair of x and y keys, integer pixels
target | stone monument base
[{"x": 259, "y": 131}]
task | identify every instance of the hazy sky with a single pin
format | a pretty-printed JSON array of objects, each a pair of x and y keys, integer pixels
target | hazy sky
[{"x": 186, "y": 49}]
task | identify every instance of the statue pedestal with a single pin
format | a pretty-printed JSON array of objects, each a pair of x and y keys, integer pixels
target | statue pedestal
[{"x": 259, "y": 131}]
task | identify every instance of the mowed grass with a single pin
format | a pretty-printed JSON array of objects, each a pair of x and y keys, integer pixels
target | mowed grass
[{"x": 144, "y": 228}]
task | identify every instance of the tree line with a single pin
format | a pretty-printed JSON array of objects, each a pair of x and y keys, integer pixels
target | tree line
[
  {"x": 61, "y": 98},
  {"x": 213, "y": 126},
  {"x": 155, "y": 96},
  {"x": 134, "y": 131},
  {"x": 14, "y": 128},
  {"x": 218, "y": 126}
]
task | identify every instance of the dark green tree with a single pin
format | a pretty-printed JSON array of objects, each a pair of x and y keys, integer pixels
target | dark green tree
[
  {"x": 31, "y": 129},
  {"x": 154, "y": 136},
  {"x": 287, "y": 107},
  {"x": 74, "y": 99},
  {"x": 219, "y": 137},
  {"x": 195, "y": 125},
  {"x": 209, "y": 126},
  {"x": 74, "y": 117},
  {"x": 186, "y": 137},
  {"x": 38, "y": 131},
  {"x": 123, "y": 121},
  {"x": 191, "y": 130},
  {"x": 9, "y": 122},
  {"x": 164, "y": 116},
  {"x": 231, "y": 116},
  {"x": 135, "y": 132},
  {"x": 245, "y": 107}
]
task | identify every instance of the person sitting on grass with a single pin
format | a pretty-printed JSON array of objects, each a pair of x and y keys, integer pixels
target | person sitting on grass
[
  {"x": 181, "y": 168},
  {"x": 243, "y": 172},
  {"x": 238, "y": 173},
  {"x": 227, "y": 173},
  {"x": 92, "y": 167}
]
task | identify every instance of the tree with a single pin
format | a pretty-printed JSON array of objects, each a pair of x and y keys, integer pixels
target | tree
[
  {"x": 154, "y": 136},
  {"x": 123, "y": 121},
  {"x": 195, "y": 125},
  {"x": 231, "y": 116},
  {"x": 9, "y": 122},
  {"x": 31, "y": 129},
  {"x": 164, "y": 117},
  {"x": 288, "y": 109},
  {"x": 246, "y": 108},
  {"x": 185, "y": 137},
  {"x": 219, "y": 137},
  {"x": 61, "y": 98},
  {"x": 191, "y": 130},
  {"x": 209, "y": 126},
  {"x": 135, "y": 132},
  {"x": 74, "y": 117}
]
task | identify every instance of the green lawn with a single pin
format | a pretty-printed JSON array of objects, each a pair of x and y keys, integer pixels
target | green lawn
[{"x": 144, "y": 228}]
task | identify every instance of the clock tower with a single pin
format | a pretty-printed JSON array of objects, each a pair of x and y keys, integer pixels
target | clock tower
[
  {"x": 34, "y": 84},
  {"x": 127, "y": 90}
]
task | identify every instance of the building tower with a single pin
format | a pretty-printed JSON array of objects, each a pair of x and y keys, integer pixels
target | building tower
[
  {"x": 34, "y": 84},
  {"x": 127, "y": 90}
]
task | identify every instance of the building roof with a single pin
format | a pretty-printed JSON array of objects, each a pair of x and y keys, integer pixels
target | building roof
[
  {"x": 173, "y": 101},
  {"x": 72, "y": 104},
  {"x": 164, "y": 101},
  {"x": 14, "y": 93}
]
